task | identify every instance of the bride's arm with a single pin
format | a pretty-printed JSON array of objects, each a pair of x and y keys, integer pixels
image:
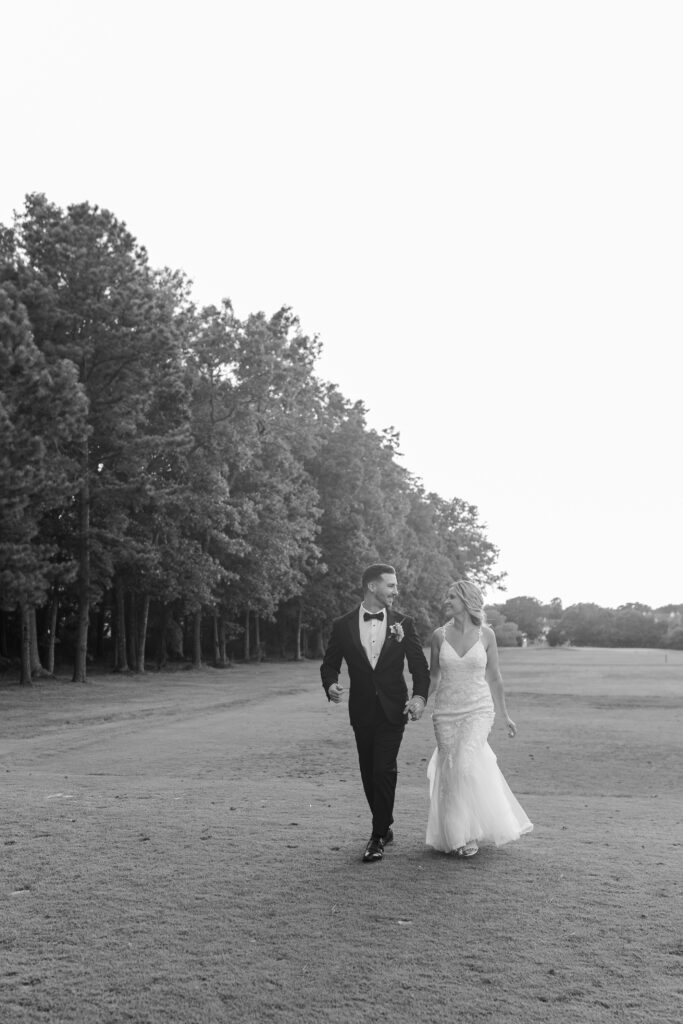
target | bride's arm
[
  {"x": 434, "y": 667},
  {"x": 495, "y": 679}
]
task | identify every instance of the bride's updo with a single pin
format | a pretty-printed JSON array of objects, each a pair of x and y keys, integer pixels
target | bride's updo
[{"x": 473, "y": 599}]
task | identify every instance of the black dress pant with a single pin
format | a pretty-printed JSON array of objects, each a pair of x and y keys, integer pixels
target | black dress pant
[{"x": 378, "y": 741}]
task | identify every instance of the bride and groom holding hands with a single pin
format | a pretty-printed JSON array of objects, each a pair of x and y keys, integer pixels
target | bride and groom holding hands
[{"x": 470, "y": 801}]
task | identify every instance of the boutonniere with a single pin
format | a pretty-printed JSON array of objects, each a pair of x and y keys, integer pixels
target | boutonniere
[{"x": 396, "y": 631}]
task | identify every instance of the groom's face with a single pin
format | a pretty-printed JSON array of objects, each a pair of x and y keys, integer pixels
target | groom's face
[{"x": 385, "y": 589}]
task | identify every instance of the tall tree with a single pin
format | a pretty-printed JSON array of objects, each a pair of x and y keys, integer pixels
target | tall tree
[
  {"x": 272, "y": 400},
  {"x": 42, "y": 412},
  {"x": 527, "y": 612},
  {"x": 93, "y": 299}
]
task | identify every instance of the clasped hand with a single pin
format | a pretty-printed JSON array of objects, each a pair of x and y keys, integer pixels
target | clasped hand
[{"x": 414, "y": 708}]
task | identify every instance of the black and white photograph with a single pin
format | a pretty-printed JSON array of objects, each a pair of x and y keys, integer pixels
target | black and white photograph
[{"x": 341, "y": 559}]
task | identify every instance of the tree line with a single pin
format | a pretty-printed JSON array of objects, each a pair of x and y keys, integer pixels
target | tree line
[
  {"x": 179, "y": 483},
  {"x": 586, "y": 625}
]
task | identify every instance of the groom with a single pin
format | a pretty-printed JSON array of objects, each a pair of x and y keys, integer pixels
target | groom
[{"x": 375, "y": 643}]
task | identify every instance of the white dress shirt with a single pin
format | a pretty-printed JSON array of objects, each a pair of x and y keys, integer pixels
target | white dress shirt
[{"x": 372, "y": 635}]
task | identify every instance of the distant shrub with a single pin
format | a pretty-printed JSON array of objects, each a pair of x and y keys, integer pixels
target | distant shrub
[
  {"x": 555, "y": 637},
  {"x": 507, "y": 634},
  {"x": 674, "y": 638}
]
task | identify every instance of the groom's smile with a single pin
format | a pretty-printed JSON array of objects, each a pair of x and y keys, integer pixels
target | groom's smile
[{"x": 382, "y": 592}]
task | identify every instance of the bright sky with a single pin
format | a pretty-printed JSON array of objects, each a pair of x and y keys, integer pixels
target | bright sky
[{"x": 477, "y": 206}]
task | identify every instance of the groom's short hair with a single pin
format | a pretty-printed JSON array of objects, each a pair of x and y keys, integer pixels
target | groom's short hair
[{"x": 373, "y": 572}]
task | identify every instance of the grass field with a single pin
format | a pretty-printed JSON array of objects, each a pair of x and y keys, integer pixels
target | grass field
[{"x": 185, "y": 847}]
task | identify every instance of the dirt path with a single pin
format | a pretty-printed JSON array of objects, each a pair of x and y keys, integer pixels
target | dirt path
[{"x": 186, "y": 848}]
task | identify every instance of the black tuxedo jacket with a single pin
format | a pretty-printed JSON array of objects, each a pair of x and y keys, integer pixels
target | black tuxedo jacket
[{"x": 386, "y": 680}]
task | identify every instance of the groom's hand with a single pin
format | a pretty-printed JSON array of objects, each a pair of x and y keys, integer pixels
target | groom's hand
[
  {"x": 335, "y": 693},
  {"x": 414, "y": 708}
]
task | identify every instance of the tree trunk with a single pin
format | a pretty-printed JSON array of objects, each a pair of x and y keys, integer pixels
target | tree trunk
[
  {"x": 142, "y": 633},
  {"x": 247, "y": 635},
  {"x": 3, "y": 634},
  {"x": 186, "y": 634},
  {"x": 25, "y": 676},
  {"x": 114, "y": 630},
  {"x": 257, "y": 638},
  {"x": 222, "y": 652},
  {"x": 297, "y": 655},
  {"x": 282, "y": 635},
  {"x": 120, "y": 644},
  {"x": 131, "y": 627},
  {"x": 217, "y": 663},
  {"x": 99, "y": 630},
  {"x": 197, "y": 640},
  {"x": 81, "y": 659},
  {"x": 52, "y": 632},
  {"x": 162, "y": 655},
  {"x": 36, "y": 664},
  {"x": 318, "y": 647},
  {"x": 181, "y": 634}
]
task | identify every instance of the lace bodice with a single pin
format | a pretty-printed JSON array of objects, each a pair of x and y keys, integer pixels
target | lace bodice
[{"x": 462, "y": 687}]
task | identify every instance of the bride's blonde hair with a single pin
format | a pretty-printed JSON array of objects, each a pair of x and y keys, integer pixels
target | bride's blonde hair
[{"x": 472, "y": 598}]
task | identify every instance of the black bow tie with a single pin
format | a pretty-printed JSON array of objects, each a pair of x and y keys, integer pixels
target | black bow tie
[{"x": 373, "y": 615}]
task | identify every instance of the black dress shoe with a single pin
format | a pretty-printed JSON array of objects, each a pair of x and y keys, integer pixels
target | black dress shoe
[
  {"x": 389, "y": 837},
  {"x": 374, "y": 850}
]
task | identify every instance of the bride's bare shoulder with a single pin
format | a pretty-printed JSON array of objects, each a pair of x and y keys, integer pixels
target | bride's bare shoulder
[{"x": 487, "y": 636}]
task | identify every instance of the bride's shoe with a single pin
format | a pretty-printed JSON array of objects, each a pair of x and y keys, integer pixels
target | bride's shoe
[{"x": 468, "y": 850}]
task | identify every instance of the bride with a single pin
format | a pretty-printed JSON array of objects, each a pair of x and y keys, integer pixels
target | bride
[{"x": 470, "y": 801}]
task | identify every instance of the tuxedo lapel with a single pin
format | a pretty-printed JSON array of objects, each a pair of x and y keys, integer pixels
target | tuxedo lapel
[
  {"x": 354, "y": 629},
  {"x": 391, "y": 619}
]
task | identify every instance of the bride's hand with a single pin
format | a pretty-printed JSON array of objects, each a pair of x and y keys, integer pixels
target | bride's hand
[
  {"x": 511, "y": 727},
  {"x": 414, "y": 708}
]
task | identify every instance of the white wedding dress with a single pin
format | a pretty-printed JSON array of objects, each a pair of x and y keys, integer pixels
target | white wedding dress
[{"x": 469, "y": 797}]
